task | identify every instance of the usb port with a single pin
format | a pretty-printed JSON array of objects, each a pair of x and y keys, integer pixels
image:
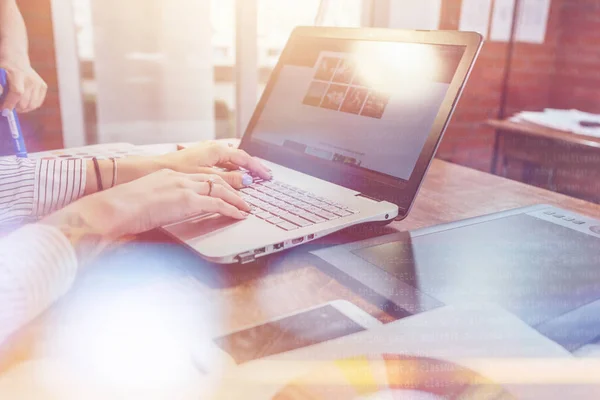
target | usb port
[
  {"x": 278, "y": 246},
  {"x": 310, "y": 237},
  {"x": 262, "y": 250},
  {"x": 298, "y": 241}
]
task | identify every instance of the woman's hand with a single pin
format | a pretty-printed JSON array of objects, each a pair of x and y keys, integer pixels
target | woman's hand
[
  {"x": 168, "y": 196},
  {"x": 158, "y": 199},
  {"x": 201, "y": 159}
]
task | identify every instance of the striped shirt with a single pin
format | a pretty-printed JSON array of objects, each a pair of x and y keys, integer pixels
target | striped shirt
[
  {"x": 30, "y": 189},
  {"x": 37, "y": 266},
  {"x": 37, "y": 262}
]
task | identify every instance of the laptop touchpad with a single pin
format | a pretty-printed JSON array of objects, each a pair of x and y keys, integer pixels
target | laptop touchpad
[{"x": 201, "y": 226}]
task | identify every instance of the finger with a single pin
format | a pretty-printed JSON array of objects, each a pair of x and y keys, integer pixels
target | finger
[
  {"x": 210, "y": 173},
  {"x": 229, "y": 166},
  {"x": 243, "y": 159},
  {"x": 16, "y": 88},
  {"x": 39, "y": 95},
  {"x": 24, "y": 104},
  {"x": 219, "y": 191},
  {"x": 236, "y": 179},
  {"x": 216, "y": 205}
]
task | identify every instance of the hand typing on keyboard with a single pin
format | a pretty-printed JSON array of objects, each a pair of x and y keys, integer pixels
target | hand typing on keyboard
[{"x": 288, "y": 207}]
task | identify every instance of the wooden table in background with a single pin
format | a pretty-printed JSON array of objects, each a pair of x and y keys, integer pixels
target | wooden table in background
[
  {"x": 556, "y": 160},
  {"x": 285, "y": 283}
]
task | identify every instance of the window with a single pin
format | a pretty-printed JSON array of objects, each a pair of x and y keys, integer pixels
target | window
[
  {"x": 278, "y": 18},
  {"x": 146, "y": 78}
]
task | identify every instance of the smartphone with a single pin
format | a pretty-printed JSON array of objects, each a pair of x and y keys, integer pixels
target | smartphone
[{"x": 301, "y": 329}]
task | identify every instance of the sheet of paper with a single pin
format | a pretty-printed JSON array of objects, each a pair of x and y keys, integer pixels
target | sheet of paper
[
  {"x": 502, "y": 20},
  {"x": 533, "y": 21},
  {"x": 563, "y": 120},
  {"x": 411, "y": 14},
  {"x": 475, "y": 16}
]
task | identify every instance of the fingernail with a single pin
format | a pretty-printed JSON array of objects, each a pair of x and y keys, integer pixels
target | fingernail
[
  {"x": 247, "y": 180},
  {"x": 5, "y": 112},
  {"x": 244, "y": 214}
]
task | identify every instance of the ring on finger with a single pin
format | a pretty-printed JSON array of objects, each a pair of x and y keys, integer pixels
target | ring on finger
[{"x": 211, "y": 183}]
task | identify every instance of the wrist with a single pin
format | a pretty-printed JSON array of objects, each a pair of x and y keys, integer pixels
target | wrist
[
  {"x": 162, "y": 162},
  {"x": 97, "y": 214},
  {"x": 17, "y": 55},
  {"x": 102, "y": 214},
  {"x": 89, "y": 224},
  {"x": 132, "y": 168}
]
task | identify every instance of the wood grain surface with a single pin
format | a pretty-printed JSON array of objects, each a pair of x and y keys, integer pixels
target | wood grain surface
[{"x": 289, "y": 282}]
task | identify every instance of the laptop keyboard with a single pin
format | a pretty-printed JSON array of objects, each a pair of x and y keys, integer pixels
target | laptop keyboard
[{"x": 290, "y": 208}]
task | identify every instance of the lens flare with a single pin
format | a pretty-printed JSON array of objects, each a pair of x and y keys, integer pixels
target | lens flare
[
  {"x": 141, "y": 341},
  {"x": 397, "y": 68}
]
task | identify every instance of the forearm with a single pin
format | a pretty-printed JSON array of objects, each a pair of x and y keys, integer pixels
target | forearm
[
  {"x": 87, "y": 225},
  {"x": 13, "y": 33},
  {"x": 127, "y": 169}
]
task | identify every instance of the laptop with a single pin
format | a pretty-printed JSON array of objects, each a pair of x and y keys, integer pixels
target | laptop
[{"x": 348, "y": 123}]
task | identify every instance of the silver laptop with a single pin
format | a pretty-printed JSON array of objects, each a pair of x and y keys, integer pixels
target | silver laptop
[{"x": 349, "y": 123}]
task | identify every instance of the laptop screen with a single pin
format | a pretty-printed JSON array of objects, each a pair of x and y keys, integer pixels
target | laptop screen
[{"x": 364, "y": 104}]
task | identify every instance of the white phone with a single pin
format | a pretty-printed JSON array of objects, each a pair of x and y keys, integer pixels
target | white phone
[{"x": 300, "y": 329}]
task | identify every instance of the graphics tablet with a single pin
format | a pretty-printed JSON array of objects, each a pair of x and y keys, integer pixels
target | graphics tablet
[{"x": 541, "y": 263}]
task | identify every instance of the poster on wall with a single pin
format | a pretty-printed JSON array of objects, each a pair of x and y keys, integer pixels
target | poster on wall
[
  {"x": 410, "y": 14},
  {"x": 532, "y": 21},
  {"x": 502, "y": 20},
  {"x": 475, "y": 16}
]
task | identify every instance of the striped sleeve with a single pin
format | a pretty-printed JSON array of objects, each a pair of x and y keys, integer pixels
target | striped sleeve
[
  {"x": 37, "y": 265},
  {"x": 34, "y": 188}
]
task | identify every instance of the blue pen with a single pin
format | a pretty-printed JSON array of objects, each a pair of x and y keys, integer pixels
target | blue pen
[{"x": 12, "y": 120}]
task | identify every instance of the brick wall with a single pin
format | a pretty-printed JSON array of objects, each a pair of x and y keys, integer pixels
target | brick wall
[
  {"x": 42, "y": 128},
  {"x": 577, "y": 79},
  {"x": 533, "y": 67},
  {"x": 564, "y": 72}
]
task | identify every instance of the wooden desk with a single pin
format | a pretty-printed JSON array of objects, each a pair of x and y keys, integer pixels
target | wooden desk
[
  {"x": 282, "y": 284},
  {"x": 533, "y": 130},
  {"x": 552, "y": 159}
]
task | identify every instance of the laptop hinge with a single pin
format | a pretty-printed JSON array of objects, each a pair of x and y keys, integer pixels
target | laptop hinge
[{"x": 369, "y": 197}]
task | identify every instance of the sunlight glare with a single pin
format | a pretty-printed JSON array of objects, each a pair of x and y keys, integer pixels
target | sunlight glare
[{"x": 399, "y": 68}]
